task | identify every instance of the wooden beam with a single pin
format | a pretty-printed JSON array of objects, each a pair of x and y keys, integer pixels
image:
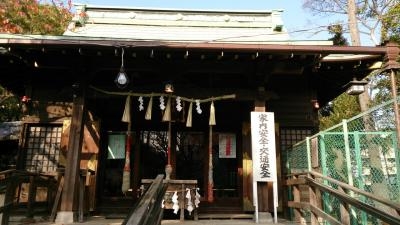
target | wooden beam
[{"x": 64, "y": 42}]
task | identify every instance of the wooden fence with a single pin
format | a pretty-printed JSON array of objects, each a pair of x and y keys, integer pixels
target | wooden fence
[{"x": 20, "y": 189}]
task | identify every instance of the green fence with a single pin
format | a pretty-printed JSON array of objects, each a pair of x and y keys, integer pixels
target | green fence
[{"x": 362, "y": 152}]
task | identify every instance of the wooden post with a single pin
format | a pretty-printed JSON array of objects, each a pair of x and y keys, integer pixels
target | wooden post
[
  {"x": 247, "y": 168},
  {"x": 344, "y": 211},
  {"x": 69, "y": 200},
  {"x": 9, "y": 198},
  {"x": 136, "y": 164},
  {"x": 182, "y": 203},
  {"x": 82, "y": 179},
  {"x": 298, "y": 216},
  {"x": 31, "y": 196},
  {"x": 393, "y": 66},
  {"x": 315, "y": 200},
  {"x": 57, "y": 199}
]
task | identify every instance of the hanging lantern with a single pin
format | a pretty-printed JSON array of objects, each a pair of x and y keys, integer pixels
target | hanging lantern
[{"x": 122, "y": 80}]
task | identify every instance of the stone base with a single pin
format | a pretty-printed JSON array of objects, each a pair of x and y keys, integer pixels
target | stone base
[
  {"x": 265, "y": 217},
  {"x": 64, "y": 217}
]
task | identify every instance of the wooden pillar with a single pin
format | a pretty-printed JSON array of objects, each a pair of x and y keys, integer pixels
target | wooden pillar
[
  {"x": 173, "y": 151},
  {"x": 136, "y": 163},
  {"x": 391, "y": 65},
  {"x": 31, "y": 196},
  {"x": 247, "y": 168},
  {"x": 70, "y": 193}
]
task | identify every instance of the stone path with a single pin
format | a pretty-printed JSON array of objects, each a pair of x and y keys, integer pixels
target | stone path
[{"x": 103, "y": 221}]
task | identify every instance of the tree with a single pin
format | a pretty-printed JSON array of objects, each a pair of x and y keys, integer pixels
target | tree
[
  {"x": 34, "y": 16},
  {"x": 337, "y": 39},
  {"x": 363, "y": 10},
  {"x": 353, "y": 25},
  {"x": 370, "y": 14},
  {"x": 391, "y": 24},
  {"x": 29, "y": 17},
  {"x": 381, "y": 82},
  {"x": 343, "y": 107}
]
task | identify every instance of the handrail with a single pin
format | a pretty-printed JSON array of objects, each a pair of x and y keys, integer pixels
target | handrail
[
  {"x": 362, "y": 192},
  {"x": 384, "y": 216},
  {"x": 148, "y": 210},
  {"x": 309, "y": 178},
  {"x": 5, "y": 172}
]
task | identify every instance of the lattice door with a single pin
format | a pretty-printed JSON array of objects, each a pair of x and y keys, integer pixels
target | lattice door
[{"x": 42, "y": 146}]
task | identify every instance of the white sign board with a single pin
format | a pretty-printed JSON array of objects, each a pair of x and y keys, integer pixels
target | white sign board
[
  {"x": 264, "y": 155},
  {"x": 263, "y": 146}
]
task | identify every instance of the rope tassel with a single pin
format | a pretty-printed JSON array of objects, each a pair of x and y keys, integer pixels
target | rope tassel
[
  {"x": 149, "y": 109},
  {"x": 212, "y": 115},
  {"x": 126, "y": 117},
  {"x": 189, "y": 117},
  {"x": 167, "y": 112}
]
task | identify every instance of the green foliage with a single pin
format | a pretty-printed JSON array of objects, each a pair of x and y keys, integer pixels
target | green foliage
[
  {"x": 10, "y": 107},
  {"x": 391, "y": 24},
  {"x": 34, "y": 17},
  {"x": 338, "y": 38},
  {"x": 343, "y": 107},
  {"x": 382, "y": 86}
]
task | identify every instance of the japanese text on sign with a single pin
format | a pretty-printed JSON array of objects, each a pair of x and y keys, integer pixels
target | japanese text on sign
[{"x": 263, "y": 146}]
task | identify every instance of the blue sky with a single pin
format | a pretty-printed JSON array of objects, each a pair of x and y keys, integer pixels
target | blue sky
[{"x": 299, "y": 22}]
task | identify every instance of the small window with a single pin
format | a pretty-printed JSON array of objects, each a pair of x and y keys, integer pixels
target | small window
[{"x": 116, "y": 146}]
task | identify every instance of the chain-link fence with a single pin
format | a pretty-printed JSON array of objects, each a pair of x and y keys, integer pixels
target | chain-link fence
[{"x": 362, "y": 152}]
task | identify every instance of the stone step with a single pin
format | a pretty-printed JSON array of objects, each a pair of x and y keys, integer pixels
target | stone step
[{"x": 230, "y": 216}]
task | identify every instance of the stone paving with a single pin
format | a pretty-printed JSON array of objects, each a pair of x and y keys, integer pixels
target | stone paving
[{"x": 103, "y": 221}]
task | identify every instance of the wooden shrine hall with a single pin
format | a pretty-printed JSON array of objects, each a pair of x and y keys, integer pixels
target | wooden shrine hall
[{"x": 126, "y": 92}]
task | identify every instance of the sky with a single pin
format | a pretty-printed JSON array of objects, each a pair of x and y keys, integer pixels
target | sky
[{"x": 299, "y": 22}]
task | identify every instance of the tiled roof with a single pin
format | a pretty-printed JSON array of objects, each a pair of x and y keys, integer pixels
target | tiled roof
[{"x": 178, "y": 25}]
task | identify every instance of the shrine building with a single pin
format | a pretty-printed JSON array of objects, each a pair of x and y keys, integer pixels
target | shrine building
[{"x": 170, "y": 87}]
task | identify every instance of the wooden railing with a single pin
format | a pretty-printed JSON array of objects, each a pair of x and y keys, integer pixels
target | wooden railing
[
  {"x": 148, "y": 209},
  {"x": 179, "y": 186},
  {"x": 314, "y": 204},
  {"x": 10, "y": 184}
]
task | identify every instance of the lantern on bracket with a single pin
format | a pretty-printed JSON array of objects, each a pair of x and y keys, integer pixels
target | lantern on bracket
[
  {"x": 355, "y": 87},
  {"x": 315, "y": 104}
]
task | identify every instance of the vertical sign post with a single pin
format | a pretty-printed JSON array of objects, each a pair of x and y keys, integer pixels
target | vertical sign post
[{"x": 264, "y": 155}]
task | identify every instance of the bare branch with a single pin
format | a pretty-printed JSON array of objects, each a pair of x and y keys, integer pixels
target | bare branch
[{"x": 369, "y": 13}]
